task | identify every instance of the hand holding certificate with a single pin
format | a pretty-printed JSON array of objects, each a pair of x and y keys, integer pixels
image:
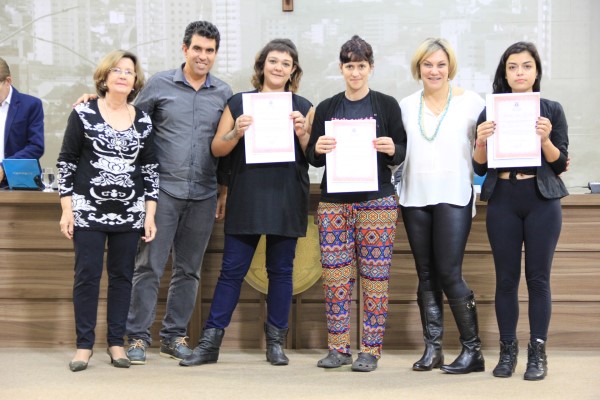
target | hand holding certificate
[
  {"x": 271, "y": 136},
  {"x": 352, "y": 166},
  {"x": 515, "y": 142}
]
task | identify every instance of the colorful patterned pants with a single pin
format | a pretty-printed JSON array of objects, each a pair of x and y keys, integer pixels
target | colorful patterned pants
[{"x": 357, "y": 236}]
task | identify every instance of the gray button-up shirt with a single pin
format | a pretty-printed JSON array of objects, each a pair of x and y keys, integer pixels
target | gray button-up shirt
[{"x": 185, "y": 122}]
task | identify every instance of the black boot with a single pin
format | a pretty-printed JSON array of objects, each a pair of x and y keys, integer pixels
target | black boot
[
  {"x": 431, "y": 306},
  {"x": 275, "y": 342},
  {"x": 207, "y": 350},
  {"x": 508, "y": 359},
  {"x": 537, "y": 362},
  {"x": 470, "y": 358}
]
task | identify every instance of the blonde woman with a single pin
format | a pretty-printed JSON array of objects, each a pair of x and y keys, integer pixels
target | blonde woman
[{"x": 437, "y": 201}]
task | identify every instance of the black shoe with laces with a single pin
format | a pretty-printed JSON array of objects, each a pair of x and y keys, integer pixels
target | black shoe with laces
[
  {"x": 508, "y": 359},
  {"x": 537, "y": 362}
]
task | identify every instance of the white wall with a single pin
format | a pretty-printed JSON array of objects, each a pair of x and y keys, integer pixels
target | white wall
[{"x": 53, "y": 46}]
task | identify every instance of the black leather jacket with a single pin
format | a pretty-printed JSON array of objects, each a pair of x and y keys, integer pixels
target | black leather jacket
[{"x": 547, "y": 176}]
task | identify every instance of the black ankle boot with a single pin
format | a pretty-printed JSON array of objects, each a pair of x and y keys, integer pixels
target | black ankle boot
[
  {"x": 275, "y": 342},
  {"x": 470, "y": 358},
  {"x": 537, "y": 362},
  {"x": 431, "y": 307},
  {"x": 207, "y": 350},
  {"x": 508, "y": 359}
]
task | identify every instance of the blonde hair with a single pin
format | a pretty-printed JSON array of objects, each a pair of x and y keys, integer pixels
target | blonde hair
[
  {"x": 428, "y": 47},
  {"x": 108, "y": 62}
]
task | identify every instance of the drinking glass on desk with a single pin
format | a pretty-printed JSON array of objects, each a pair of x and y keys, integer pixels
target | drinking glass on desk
[{"x": 48, "y": 178}]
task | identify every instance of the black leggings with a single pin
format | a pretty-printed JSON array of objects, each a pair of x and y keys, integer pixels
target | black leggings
[
  {"x": 437, "y": 235},
  {"x": 517, "y": 214},
  {"x": 120, "y": 260}
]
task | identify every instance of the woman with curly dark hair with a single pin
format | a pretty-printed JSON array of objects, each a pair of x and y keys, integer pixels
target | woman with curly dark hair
[{"x": 268, "y": 199}]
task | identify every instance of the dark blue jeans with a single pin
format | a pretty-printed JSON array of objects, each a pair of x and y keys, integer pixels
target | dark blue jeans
[
  {"x": 89, "y": 257},
  {"x": 237, "y": 257}
]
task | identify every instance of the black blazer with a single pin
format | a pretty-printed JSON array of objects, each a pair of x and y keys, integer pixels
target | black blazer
[{"x": 548, "y": 182}]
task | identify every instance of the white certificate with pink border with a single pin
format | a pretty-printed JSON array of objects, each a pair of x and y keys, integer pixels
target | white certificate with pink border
[
  {"x": 270, "y": 138},
  {"x": 515, "y": 142},
  {"x": 352, "y": 165}
]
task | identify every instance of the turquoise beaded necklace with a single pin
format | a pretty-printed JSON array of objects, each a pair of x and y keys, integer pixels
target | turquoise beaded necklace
[{"x": 437, "y": 128}]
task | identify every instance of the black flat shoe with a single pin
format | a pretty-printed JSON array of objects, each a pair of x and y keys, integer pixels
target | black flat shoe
[
  {"x": 118, "y": 362},
  {"x": 76, "y": 366},
  {"x": 335, "y": 359},
  {"x": 365, "y": 362}
]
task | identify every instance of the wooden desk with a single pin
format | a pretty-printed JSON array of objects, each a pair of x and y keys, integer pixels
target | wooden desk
[{"x": 36, "y": 279}]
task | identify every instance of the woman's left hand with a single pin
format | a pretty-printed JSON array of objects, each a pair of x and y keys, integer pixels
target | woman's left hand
[
  {"x": 299, "y": 122},
  {"x": 149, "y": 229},
  {"x": 385, "y": 145},
  {"x": 543, "y": 127}
]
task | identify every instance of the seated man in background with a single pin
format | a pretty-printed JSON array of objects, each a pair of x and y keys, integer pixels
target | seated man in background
[{"x": 21, "y": 122}]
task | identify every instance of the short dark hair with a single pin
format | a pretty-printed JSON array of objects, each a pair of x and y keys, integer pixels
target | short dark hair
[
  {"x": 356, "y": 49},
  {"x": 204, "y": 29},
  {"x": 285, "y": 46},
  {"x": 500, "y": 84}
]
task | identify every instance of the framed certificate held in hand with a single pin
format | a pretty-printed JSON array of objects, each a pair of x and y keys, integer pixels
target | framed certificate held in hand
[
  {"x": 270, "y": 138},
  {"x": 515, "y": 142},
  {"x": 352, "y": 166}
]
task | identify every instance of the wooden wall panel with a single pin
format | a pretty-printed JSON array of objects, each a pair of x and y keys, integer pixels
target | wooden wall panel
[
  {"x": 47, "y": 275},
  {"x": 37, "y": 323},
  {"x": 311, "y": 326},
  {"x": 246, "y": 328},
  {"x": 404, "y": 330},
  {"x": 36, "y": 277}
]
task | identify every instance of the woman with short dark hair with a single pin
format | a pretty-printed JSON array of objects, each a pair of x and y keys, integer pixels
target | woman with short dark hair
[{"x": 357, "y": 229}]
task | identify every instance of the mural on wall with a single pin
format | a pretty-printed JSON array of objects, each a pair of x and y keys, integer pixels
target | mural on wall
[{"x": 53, "y": 47}]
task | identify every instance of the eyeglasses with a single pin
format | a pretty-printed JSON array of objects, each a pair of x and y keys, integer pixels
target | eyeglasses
[{"x": 119, "y": 71}]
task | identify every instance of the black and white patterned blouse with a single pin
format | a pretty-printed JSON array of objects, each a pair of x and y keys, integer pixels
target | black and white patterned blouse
[{"x": 109, "y": 174}]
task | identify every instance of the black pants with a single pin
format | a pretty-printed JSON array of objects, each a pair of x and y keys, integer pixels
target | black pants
[
  {"x": 437, "y": 235},
  {"x": 89, "y": 256},
  {"x": 517, "y": 214}
]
